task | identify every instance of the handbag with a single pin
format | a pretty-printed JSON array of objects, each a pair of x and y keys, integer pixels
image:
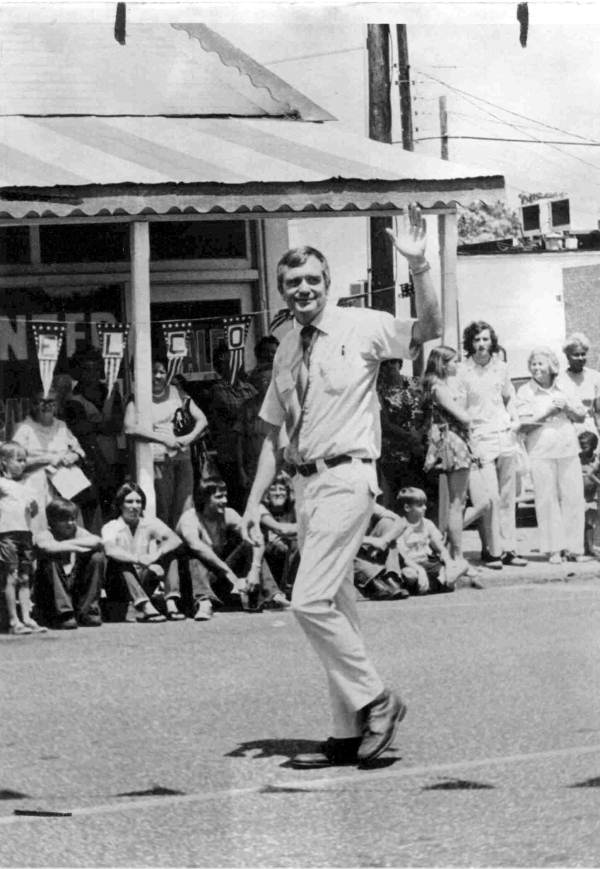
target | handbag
[
  {"x": 440, "y": 455},
  {"x": 183, "y": 421}
]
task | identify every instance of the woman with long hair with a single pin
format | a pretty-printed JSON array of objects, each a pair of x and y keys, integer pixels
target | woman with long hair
[{"x": 448, "y": 426}]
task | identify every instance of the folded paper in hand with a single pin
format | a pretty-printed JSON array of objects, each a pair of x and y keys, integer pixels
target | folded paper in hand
[{"x": 69, "y": 482}]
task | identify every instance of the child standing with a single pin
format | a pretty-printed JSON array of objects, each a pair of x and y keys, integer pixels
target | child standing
[
  {"x": 17, "y": 508},
  {"x": 428, "y": 565},
  {"x": 590, "y": 467}
]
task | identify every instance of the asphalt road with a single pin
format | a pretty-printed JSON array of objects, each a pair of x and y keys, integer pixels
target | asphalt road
[{"x": 169, "y": 744}]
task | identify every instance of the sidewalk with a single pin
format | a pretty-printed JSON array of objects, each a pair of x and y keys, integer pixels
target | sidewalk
[{"x": 537, "y": 570}]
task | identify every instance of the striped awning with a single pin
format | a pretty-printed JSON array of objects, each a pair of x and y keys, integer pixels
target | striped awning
[{"x": 101, "y": 167}]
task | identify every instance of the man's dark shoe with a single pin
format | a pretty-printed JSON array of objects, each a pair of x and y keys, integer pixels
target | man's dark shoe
[
  {"x": 377, "y": 589},
  {"x": 379, "y": 725},
  {"x": 392, "y": 580},
  {"x": 513, "y": 560},
  {"x": 334, "y": 752},
  {"x": 89, "y": 620},
  {"x": 67, "y": 623}
]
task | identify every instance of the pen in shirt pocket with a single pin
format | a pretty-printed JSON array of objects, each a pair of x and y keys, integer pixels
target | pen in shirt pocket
[{"x": 343, "y": 349}]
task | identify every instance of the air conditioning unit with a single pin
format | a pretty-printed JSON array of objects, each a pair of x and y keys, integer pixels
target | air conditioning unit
[{"x": 546, "y": 216}]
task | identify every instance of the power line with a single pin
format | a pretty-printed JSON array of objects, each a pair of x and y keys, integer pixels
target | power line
[
  {"x": 528, "y": 141},
  {"x": 471, "y": 98},
  {"x": 504, "y": 109}
]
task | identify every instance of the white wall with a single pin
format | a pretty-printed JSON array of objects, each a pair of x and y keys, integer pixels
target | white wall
[{"x": 521, "y": 296}]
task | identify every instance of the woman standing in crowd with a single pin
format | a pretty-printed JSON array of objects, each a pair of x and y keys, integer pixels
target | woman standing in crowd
[
  {"x": 402, "y": 442},
  {"x": 580, "y": 383},
  {"x": 173, "y": 472},
  {"x": 49, "y": 446},
  {"x": 547, "y": 415},
  {"x": 141, "y": 552},
  {"x": 489, "y": 399},
  {"x": 449, "y": 450},
  {"x": 96, "y": 418}
]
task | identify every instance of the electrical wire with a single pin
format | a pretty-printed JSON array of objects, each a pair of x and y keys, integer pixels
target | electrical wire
[{"x": 508, "y": 111}]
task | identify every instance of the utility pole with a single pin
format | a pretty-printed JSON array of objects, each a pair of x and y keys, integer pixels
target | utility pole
[
  {"x": 404, "y": 88},
  {"x": 407, "y": 135},
  {"x": 443, "y": 128},
  {"x": 380, "y": 129}
]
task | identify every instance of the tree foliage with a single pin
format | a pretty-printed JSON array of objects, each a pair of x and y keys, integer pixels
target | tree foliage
[{"x": 481, "y": 222}]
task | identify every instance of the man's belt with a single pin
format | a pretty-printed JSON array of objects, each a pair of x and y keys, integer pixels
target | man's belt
[{"x": 310, "y": 468}]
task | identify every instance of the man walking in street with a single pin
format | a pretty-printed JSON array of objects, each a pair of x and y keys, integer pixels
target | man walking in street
[{"x": 322, "y": 405}]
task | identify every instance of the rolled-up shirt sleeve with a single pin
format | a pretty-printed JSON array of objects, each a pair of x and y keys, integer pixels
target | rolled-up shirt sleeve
[{"x": 272, "y": 410}]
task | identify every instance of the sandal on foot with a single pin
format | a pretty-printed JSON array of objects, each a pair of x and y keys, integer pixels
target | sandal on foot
[
  {"x": 34, "y": 627},
  {"x": 19, "y": 630},
  {"x": 150, "y": 618},
  {"x": 175, "y": 616}
]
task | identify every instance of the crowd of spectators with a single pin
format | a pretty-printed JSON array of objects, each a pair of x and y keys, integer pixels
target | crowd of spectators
[{"x": 75, "y": 537}]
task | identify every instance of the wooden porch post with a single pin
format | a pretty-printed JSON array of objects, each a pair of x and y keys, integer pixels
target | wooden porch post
[
  {"x": 448, "y": 238},
  {"x": 139, "y": 239}
]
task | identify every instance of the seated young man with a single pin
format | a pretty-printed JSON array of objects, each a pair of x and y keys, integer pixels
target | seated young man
[
  {"x": 428, "y": 566},
  {"x": 224, "y": 568},
  {"x": 70, "y": 570},
  {"x": 377, "y": 567}
]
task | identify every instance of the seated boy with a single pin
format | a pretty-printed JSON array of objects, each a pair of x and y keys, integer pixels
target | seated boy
[
  {"x": 223, "y": 567},
  {"x": 428, "y": 566},
  {"x": 590, "y": 468},
  {"x": 377, "y": 568},
  {"x": 70, "y": 571}
]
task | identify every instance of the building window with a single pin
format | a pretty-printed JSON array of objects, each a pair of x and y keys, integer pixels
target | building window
[
  {"x": 198, "y": 239},
  {"x": 90, "y": 243},
  {"x": 561, "y": 213},
  {"x": 14, "y": 245},
  {"x": 531, "y": 218}
]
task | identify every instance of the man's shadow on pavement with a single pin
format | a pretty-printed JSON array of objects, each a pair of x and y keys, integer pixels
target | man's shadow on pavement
[{"x": 259, "y": 749}]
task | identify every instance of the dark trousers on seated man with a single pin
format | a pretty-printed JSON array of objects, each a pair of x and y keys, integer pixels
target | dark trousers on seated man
[
  {"x": 378, "y": 575},
  {"x": 137, "y": 584},
  {"x": 68, "y": 585},
  {"x": 209, "y": 584}
]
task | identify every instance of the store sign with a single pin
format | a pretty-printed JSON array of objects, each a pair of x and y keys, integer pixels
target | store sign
[{"x": 80, "y": 309}]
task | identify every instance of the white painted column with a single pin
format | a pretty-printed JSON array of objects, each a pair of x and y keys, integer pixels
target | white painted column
[
  {"x": 139, "y": 242},
  {"x": 448, "y": 240},
  {"x": 448, "y": 237}
]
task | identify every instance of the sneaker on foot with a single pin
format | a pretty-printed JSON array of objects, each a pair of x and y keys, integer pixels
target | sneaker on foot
[
  {"x": 493, "y": 562},
  {"x": 514, "y": 560},
  {"x": 204, "y": 611}
]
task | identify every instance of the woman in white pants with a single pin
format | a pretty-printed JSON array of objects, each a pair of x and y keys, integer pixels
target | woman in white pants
[{"x": 547, "y": 415}]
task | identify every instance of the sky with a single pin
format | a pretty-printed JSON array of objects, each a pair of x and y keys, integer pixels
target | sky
[{"x": 468, "y": 52}]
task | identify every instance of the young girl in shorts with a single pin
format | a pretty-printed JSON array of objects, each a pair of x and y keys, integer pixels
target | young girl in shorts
[{"x": 17, "y": 508}]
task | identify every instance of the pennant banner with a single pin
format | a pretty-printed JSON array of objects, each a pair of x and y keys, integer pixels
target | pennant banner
[
  {"x": 236, "y": 329},
  {"x": 48, "y": 339},
  {"x": 281, "y": 317},
  {"x": 177, "y": 340},
  {"x": 113, "y": 340}
]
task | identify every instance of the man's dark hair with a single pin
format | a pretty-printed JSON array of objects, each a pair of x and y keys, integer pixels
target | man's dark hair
[
  {"x": 60, "y": 509},
  {"x": 471, "y": 332},
  {"x": 205, "y": 489},
  {"x": 263, "y": 347},
  {"x": 127, "y": 489},
  {"x": 297, "y": 256}
]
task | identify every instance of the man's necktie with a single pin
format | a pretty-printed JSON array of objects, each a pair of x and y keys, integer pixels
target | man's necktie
[{"x": 308, "y": 336}]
